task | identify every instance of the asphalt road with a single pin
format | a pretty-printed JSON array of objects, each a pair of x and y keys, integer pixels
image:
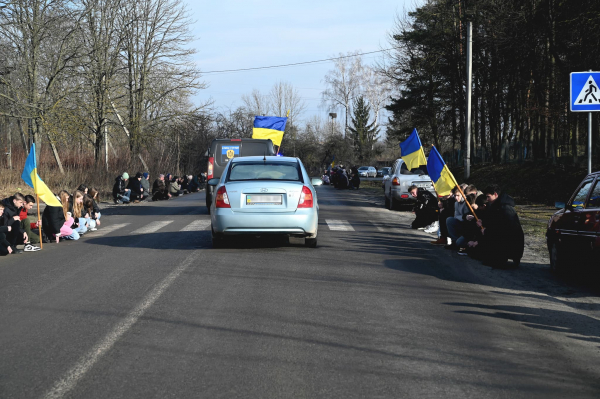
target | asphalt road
[{"x": 145, "y": 308}]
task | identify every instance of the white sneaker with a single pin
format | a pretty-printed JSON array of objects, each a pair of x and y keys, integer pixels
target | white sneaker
[
  {"x": 92, "y": 229},
  {"x": 432, "y": 228},
  {"x": 31, "y": 248}
]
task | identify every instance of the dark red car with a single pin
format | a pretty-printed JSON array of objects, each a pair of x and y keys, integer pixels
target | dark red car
[{"x": 573, "y": 234}]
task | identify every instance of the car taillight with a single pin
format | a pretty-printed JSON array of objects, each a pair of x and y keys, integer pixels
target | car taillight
[
  {"x": 222, "y": 200},
  {"x": 395, "y": 182},
  {"x": 306, "y": 198},
  {"x": 211, "y": 162},
  {"x": 404, "y": 196}
]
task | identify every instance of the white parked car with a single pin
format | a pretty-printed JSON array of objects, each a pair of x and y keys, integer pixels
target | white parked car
[
  {"x": 395, "y": 186},
  {"x": 367, "y": 171}
]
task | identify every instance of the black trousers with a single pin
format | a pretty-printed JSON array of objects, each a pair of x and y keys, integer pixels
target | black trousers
[
  {"x": 3, "y": 245},
  {"x": 443, "y": 216}
]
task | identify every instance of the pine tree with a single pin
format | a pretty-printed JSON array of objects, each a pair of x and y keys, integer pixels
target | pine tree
[{"x": 362, "y": 133}]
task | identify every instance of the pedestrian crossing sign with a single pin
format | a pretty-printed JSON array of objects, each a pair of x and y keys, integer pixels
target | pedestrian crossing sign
[{"x": 585, "y": 93}]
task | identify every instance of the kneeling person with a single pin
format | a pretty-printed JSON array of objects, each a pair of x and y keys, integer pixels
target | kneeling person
[{"x": 426, "y": 209}]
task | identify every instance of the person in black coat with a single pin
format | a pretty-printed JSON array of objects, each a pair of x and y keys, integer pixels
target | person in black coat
[
  {"x": 135, "y": 187},
  {"x": 11, "y": 218},
  {"x": 426, "y": 208},
  {"x": 120, "y": 190},
  {"x": 355, "y": 180},
  {"x": 502, "y": 237}
]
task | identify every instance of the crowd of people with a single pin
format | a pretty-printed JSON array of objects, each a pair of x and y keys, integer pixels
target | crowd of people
[
  {"x": 341, "y": 178},
  {"x": 483, "y": 225},
  {"x": 79, "y": 211},
  {"x": 136, "y": 189}
]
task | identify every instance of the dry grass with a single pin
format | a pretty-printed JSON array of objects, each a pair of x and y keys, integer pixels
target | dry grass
[{"x": 79, "y": 168}]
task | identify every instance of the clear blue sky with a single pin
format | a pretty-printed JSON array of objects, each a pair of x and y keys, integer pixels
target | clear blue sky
[{"x": 245, "y": 34}]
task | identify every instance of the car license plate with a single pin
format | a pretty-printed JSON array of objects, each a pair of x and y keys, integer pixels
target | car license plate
[
  {"x": 263, "y": 200},
  {"x": 423, "y": 185}
]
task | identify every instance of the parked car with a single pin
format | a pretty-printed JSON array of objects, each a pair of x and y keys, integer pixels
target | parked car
[
  {"x": 395, "y": 186},
  {"x": 265, "y": 195},
  {"x": 367, "y": 171},
  {"x": 384, "y": 171},
  {"x": 221, "y": 151},
  {"x": 573, "y": 234}
]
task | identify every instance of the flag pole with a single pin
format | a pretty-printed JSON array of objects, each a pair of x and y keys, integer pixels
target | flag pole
[{"x": 37, "y": 200}]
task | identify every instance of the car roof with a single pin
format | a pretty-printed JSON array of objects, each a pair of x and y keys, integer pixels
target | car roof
[{"x": 270, "y": 158}]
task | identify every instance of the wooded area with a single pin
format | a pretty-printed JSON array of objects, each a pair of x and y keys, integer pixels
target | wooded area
[{"x": 523, "y": 53}]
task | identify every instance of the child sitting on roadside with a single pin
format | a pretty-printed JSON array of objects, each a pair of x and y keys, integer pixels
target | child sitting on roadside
[
  {"x": 80, "y": 221},
  {"x": 5, "y": 247},
  {"x": 66, "y": 231}
]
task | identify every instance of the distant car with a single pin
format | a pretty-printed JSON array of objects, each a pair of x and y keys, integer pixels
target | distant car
[
  {"x": 264, "y": 195},
  {"x": 367, "y": 171},
  {"x": 395, "y": 186},
  {"x": 384, "y": 171},
  {"x": 573, "y": 234}
]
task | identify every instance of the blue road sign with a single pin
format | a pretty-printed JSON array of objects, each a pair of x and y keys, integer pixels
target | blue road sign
[{"x": 585, "y": 92}]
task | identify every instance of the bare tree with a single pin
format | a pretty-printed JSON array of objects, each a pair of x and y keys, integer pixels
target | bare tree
[
  {"x": 377, "y": 90},
  {"x": 343, "y": 83},
  {"x": 157, "y": 35},
  {"x": 256, "y": 103}
]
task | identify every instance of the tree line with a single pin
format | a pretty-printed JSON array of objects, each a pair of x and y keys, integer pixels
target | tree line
[{"x": 523, "y": 53}]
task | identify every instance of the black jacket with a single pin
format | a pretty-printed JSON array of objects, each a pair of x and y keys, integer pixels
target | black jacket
[
  {"x": 53, "y": 219},
  {"x": 119, "y": 186},
  {"x": 10, "y": 211},
  {"x": 426, "y": 201},
  {"x": 136, "y": 187},
  {"x": 503, "y": 236}
]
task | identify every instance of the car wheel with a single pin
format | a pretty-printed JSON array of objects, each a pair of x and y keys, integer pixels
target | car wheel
[
  {"x": 310, "y": 242},
  {"x": 556, "y": 264},
  {"x": 391, "y": 206}
]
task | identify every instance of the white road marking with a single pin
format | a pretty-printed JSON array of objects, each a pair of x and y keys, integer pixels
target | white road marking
[
  {"x": 197, "y": 225},
  {"x": 339, "y": 225},
  {"x": 63, "y": 386},
  {"x": 106, "y": 230},
  {"x": 152, "y": 227}
]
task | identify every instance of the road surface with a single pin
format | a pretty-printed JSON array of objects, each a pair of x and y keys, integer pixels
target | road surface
[{"x": 145, "y": 308}]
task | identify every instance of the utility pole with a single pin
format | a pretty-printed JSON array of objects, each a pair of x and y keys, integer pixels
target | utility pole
[{"x": 469, "y": 90}]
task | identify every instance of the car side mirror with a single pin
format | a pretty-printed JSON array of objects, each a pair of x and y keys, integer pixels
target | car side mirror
[
  {"x": 559, "y": 205},
  {"x": 315, "y": 181},
  {"x": 213, "y": 182}
]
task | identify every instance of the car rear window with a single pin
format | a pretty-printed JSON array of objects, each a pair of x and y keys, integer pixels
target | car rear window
[{"x": 243, "y": 171}]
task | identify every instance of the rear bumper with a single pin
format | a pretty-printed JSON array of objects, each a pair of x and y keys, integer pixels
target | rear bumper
[{"x": 302, "y": 222}]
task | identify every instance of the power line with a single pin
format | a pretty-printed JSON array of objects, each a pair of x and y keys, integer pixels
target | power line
[{"x": 298, "y": 63}]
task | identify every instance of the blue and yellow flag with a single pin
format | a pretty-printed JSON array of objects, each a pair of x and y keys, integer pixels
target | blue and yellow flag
[
  {"x": 33, "y": 180},
  {"x": 411, "y": 151},
  {"x": 442, "y": 178},
  {"x": 333, "y": 161},
  {"x": 269, "y": 127}
]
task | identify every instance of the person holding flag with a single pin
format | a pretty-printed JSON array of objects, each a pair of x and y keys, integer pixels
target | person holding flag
[
  {"x": 445, "y": 184},
  {"x": 411, "y": 151},
  {"x": 32, "y": 179}
]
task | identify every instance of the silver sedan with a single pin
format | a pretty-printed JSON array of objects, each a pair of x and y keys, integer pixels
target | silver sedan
[{"x": 265, "y": 195}]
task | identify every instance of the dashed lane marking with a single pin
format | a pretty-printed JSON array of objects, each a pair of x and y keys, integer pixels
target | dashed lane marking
[
  {"x": 339, "y": 225},
  {"x": 197, "y": 225},
  {"x": 152, "y": 227}
]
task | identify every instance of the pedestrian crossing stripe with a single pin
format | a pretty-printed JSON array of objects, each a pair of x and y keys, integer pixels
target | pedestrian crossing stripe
[
  {"x": 197, "y": 225},
  {"x": 151, "y": 227},
  {"x": 589, "y": 93},
  {"x": 339, "y": 225},
  {"x": 108, "y": 229}
]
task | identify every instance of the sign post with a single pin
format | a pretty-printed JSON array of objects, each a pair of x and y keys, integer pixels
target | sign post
[{"x": 585, "y": 97}]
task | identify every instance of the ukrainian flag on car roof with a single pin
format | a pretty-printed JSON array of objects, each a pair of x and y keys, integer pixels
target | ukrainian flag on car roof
[
  {"x": 411, "y": 151},
  {"x": 33, "y": 180},
  {"x": 442, "y": 178},
  {"x": 269, "y": 127}
]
